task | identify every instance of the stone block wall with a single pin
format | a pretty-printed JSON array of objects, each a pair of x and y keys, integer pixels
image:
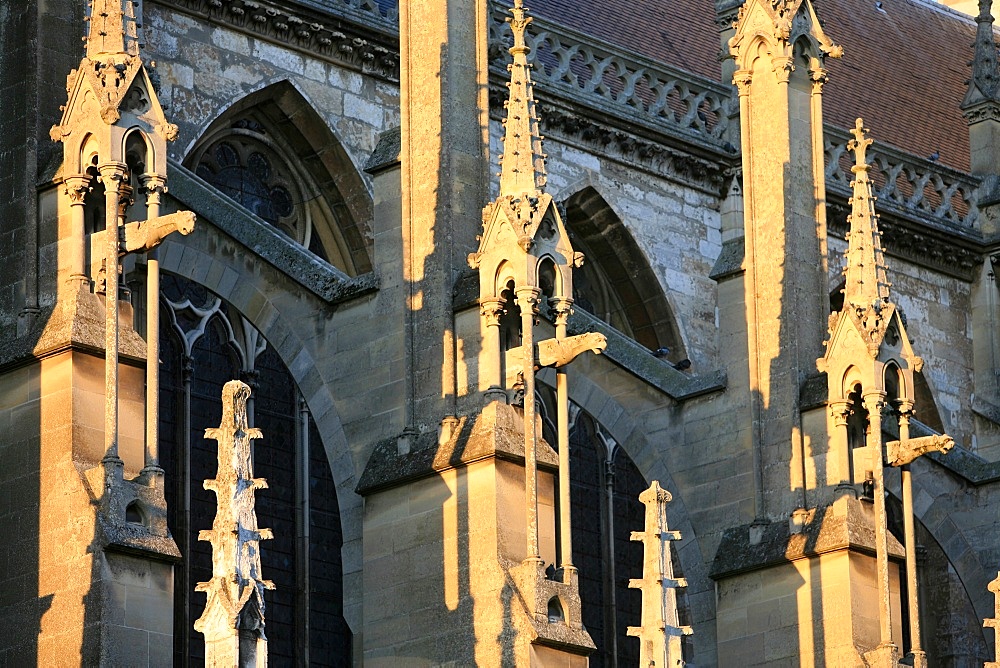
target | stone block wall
[
  {"x": 205, "y": 68},
  {"x": 809, "y": 612}
]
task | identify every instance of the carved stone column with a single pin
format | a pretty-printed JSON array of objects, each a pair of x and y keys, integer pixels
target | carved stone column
[
  {"x": 113, "y": 175},
  {"x": 491, "y": 310},
  {"x": 839, "y": 410},
  {"x": 886, "y": 655},
  {"x": 77, "y": 188},
  {"x": 154, "y": 186},
  {"x": 562, "y": 308},
  {"x": 527, "y": 299},
  {"x": 905, "y": 408}
]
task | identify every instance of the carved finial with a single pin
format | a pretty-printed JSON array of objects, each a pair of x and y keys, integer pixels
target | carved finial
[
  {"x": 522, "y": 163},
  {"x": 859, "y": 145},
  {"x": 661, "y": 631},
  {"x": 867, "y": 286}
]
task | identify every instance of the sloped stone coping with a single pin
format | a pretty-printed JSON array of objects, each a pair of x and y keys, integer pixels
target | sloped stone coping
[
  {"x": 498, "y": 431},
  {"x": 844, "y": 524},
  {"x": 638, "y": 360},
  {"x": 319, "y": 277},
  {"x": 622, "y": 350},
  {"x": 73, "y": 322}
]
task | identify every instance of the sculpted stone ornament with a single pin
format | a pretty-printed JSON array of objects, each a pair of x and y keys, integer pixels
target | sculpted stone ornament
[
  {"x": 661, "y": 632},
  {"x": 560, "y": 352}
]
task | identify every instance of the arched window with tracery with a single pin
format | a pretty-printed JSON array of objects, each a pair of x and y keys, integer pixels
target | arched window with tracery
[
  {"x": 616, "y": 284},
  {"x": 275, "y": 156}
]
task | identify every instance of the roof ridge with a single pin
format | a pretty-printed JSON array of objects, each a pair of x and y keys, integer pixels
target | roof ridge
[{"x": 935, "y": 5}]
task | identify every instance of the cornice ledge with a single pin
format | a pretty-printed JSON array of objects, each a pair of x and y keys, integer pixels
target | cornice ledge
[
  {"x": 615, "y": 133},
  {"x": 639, "y": 361},
  {"x": 361, "y": 39},
  {"x": 923, "y": 240}
]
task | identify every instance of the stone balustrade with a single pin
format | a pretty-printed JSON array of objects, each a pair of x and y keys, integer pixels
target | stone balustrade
[
  {"x": 905, "y": 184},
  {"x": 577, "y": 69}
]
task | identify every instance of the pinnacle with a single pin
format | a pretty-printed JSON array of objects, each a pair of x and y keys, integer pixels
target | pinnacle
[
  {"x": 984, "y": 86},
  {"x": 112, "y": 30},
  {"x": 523, "y": 163},
  {"x": 867, "y": 282}
]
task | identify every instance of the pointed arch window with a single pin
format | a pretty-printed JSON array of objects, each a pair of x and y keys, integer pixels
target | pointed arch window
[{"x": 246, "y": 167}]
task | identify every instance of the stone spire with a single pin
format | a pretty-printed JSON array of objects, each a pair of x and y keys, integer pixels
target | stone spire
[
  {"x": 233, "y": 621},
  {"x": 984, "y": 86},
  {"x": 867, "y": 285},
  {"x": 112, "y": 30},
  {"x": 522, "y": 163}
]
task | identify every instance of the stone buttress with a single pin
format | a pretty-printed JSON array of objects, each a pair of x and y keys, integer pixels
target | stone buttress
[
  {"x": 479, "y": 494},
  {"x": 803, "y": 550},
  {"x": 98, "y": 536}
]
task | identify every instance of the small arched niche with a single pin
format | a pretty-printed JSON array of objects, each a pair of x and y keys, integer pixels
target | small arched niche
[
  {"x": 272, "y": 153},
  {"x": 556, "y": 611}
]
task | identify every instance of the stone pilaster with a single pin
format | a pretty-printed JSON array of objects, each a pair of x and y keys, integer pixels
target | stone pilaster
[
  {"x": 785, "y": 229},
  {"x": 444, "y": 176}
]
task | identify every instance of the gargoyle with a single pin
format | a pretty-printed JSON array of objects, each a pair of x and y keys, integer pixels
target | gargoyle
[
  {"x": 146, "y": 235},
  {"x": 559, "y": 352},
  {"x": 899, "y": 453}
]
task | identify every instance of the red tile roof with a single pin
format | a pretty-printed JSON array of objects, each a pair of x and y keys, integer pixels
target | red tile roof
[{"x": 904, "y": 69}]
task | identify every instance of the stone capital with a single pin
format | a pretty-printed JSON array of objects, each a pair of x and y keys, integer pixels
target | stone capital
[
  {"x": 113, "y": 172},
  {"x": 905, "y": 409},
  {"x": 783, "y": 67},
  {"x": 492, "y": 308},
  {"x": 153, "y": 186},
  {"x": 840, "y": 410},
  {"x": 528, "y": 296},
  {"x": 742, "y": 80},
  {"x": 77, "y": 187},
  {"x": 874, "y": 400},
  {"x": 818, "y": 76},
  {"x": 561, "y": 309}
]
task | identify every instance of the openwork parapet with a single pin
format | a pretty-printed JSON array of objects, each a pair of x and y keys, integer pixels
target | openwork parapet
[{"x": 571, "y": 65}]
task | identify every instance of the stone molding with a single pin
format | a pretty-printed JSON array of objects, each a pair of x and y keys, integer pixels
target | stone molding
[{"x": 922, "y": 243}]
